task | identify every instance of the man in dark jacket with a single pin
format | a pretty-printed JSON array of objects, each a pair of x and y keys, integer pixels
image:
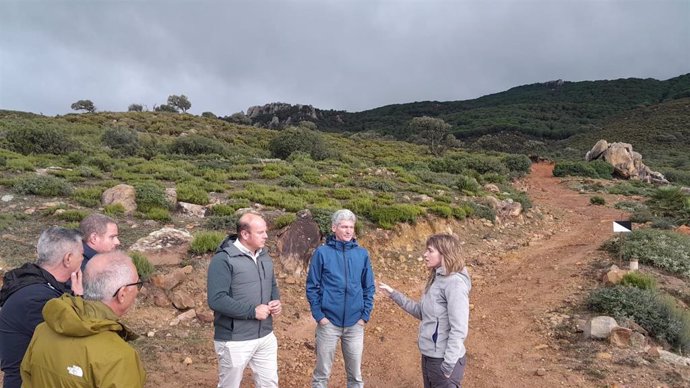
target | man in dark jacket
[
  {"x": 243, "y": 294},
  {"x": 82, "y": 341},
  {"x": 340, "y": 289},
  {"x": 26, "y": 290},
  {"x": 100, "y": 234}
]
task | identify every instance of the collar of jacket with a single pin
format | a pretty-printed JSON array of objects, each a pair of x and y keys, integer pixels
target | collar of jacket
[
  {"x": 228, "y": 246},
  {"x": 27, "y": 275},
  {"x": 341, "y": 245},
  {"x": 88, "y": 251}
]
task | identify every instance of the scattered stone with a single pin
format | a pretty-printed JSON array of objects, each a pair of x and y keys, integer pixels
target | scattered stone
[
  {"x": 150, "y": 334},
  {"x": 187, "y": 361},
  {"x": 683, "y": 229},
  {"x": 638, "y": 340},
  {"x": 580, "y": 325},
  {"x": 620, "y": 336},
  {"x": 673, "y": 358},
  {"x": 492, "y": 188},
  {"x": 160, "y": 299},
  {"x": 185, "y": 316},
  {"x": 167, "y": 246},
  {"x": 191, "y": 209},
  {"x": 541, "y": 372},
  {"x": 653, "y": 352},
  {"x": 170, "y": 280},
  {"x": 599, "y": 327},
  {"x": 7, "y": 198},
  {"x": 182, "y": 300},
  {"x": 122, "y": 194},
  {"x": 205, "y": 316},
  {"x": 603, "y": 356},
  {"x": 171, "y": 196},
  {"x": 614, "y": 275},
  {"x": 540, "y": 347}
]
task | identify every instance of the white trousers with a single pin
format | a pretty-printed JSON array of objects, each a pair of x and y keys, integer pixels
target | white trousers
[{"x": 260, "y": 354}]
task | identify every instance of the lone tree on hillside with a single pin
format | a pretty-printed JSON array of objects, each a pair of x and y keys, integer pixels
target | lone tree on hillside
[
  {"x": 180, "y": 102},
  {"x": 433, "y": 132},
  {"x": 86, "y": 105},
  {"x": 165, "y": 108},
  {"x": 135, "y": 108}
]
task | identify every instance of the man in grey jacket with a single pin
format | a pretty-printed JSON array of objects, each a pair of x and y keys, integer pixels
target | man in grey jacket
[{"x": 243, "y": 294}]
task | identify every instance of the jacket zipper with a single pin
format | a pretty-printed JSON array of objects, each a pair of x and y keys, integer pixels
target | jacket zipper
[
  {"x": 347, "y": 280},
  {"x": 261, "y": 289}
]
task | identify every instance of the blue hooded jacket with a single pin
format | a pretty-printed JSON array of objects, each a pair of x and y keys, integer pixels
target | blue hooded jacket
[{"x": 340, "y": 283}]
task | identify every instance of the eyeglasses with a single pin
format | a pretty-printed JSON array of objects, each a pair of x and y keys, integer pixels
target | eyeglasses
[{"x": 139, "y": 284}]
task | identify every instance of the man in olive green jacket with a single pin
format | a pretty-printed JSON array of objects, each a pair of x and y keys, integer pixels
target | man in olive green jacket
[{"x": 82, "y": 344}]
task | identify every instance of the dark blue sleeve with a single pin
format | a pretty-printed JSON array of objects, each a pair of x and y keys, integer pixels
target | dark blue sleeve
[
  {"x": 368, "y": 287},
  {"x": 313, "y": 287}
]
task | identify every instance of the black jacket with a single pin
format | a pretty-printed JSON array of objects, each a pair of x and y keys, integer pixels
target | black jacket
[{"x": 24, "y": 292}]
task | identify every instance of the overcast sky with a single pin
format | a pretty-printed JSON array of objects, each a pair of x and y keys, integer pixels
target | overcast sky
[{"x": 334, "y": 54}]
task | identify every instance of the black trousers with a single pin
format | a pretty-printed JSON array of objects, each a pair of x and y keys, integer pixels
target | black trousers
[{"x": 434, "y": 378}]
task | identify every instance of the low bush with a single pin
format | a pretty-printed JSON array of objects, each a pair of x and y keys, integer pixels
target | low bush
[
  {"x": 584, "y": 169},
  {"x": 191, "y": 193},
  {"x": 667, "y": 250},
  {"x": 300, "y": 139},
  {"x": 441, "y": 211},
  {"x": 207, "y": 241},
  {"x": 114, "y": 209},
  {"x": 387, "y": 216},
  {"x": 672, "y": 203},
  {"x": 143, "y": 265},
  {"x": 654, "y": 312},
  {"x": 322, "y": 216},
  {"x": 480, "y": 211},
  {"x": 40, "y": 140},
  {"x": 158, "y": 214},
  {"x": 603, "y": 169},
  {"x": 632, "y": 188},
  {"x": 291, "y": 181},
  {"x": 123, "y": 140},
  {"x": 629, "y": 206},
  {"x": 284, "y": 220},
  {"x": 518, "y": 165},
  {"x": 72, "y": 215},
  {"x": 597, "y": 200},
  {"x": 223, "y": 209},
  {"x": 149, "y": 195},
  {"x": 226, "y": 223},
  {"x": 46, "y": 186},
  {"x": 196, "y": 145},
  {"x": 639, "y": 280},
  {"x": 88, "y": 196},
  {"x": 468, "y": 185}
]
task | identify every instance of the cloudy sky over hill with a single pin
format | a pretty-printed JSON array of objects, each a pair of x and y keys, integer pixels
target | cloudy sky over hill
[{"x": 338, "y": 54}]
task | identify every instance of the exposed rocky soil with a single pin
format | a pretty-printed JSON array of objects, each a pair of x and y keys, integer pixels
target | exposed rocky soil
[{"x": 530, "y": 276}]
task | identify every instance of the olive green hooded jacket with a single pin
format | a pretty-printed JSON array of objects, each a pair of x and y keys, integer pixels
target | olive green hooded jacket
[{"x": 81, "y": 344}]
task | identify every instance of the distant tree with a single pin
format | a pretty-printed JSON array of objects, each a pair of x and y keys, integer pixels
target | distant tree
[
  {"x": 433, "y": 132},
  {"x": 209, "y": 115},
  {"x": 86, "y": 105},
  {"x": 238, "y": 118},
  {"x": 165, "y": 108},
  {"x": 135, "y": 108},
  {"x": 300, "y": 139},
  {"x": 180, "y": 102}
]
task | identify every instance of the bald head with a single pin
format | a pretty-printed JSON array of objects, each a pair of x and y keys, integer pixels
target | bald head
[
  {"x": 252, "y": 231},
  {"x": 109, "y": 278}
]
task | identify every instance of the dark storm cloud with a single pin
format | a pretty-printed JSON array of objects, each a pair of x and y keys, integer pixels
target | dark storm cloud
[{"x": 353, "y": 55}]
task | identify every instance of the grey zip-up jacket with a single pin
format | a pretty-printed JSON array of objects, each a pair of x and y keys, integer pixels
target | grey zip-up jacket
[
  {"x": 444, "y": 311},
  {"x": 236, "y": 285}
]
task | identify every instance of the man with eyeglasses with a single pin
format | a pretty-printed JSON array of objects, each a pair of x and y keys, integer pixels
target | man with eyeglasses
[{"x": 82, "y": 342}]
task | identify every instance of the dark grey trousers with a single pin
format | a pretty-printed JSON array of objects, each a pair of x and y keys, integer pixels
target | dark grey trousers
[{"x": 434, "y": 378}]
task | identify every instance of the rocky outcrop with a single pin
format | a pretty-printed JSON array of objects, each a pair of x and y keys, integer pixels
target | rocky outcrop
[
  {"x": 166, "y": 246},
  {"x": 626, "y": 162},
  {"x": 280, "y": 115},
  {"x": 297, "y": 242}
]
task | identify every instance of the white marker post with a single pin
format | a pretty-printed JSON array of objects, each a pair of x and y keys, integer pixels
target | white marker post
[{"x": 625, "y": 227}]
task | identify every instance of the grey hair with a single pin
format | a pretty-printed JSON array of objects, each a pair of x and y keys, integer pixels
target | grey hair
[
  {"x": 101, "y": 283},
  {"x": 95, "y": 223},
  {"x": 343, "y": 215},
  {"x": 54, "y": 243}
]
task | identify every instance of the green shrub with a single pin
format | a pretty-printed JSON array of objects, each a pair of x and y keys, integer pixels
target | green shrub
[
  {"x": 663, "y": 223},
  {"x": 361, "y": 206},
  {"x": 291, "y": 181},
  {"x": 480, "y": 211},
  {"x": 284, "y": 220},
  {"x": 519, "y": 165},
  {"x": 385, "y": 185},
  {"x": 20, "y": 164},
  {"x": 114, "y": 209},
  {"x": 103, "y": 162},
  {"x": 655, "y": 313},
  {"x": 89, "y": 172},
  {"x": 603, "y": 169},
  {"x": 322, "y": 216},
  {"x": 72, "y": 215},
  {"x": 459, "y": 212},
  {"x": 158, "y": 213},
  {"x": 143, "y": 265},
  {"x": 225, "y": 223},
  {"x": 46, "y": 186},
  {"x": 663, "y": 249},
  {"x": 342, "y": 193},
  {"x": 387, "y": 216},
  {"x": 191, "y": 193},
  {"x": 196, "y": 145},
  {"x": 642, "y": 215},
  {"x": 585, "y": 169},
  {"x": 629, "y": 206},
  {"x": 222, "y": 209},
  {"x": 149, "y": 195},
  {"x": 639, "y": 280},
  {"x": 39, "y": 140},
  {"x": 597, "y": 200},
  {"x": 631, "y": 188},
  {"x": 123, "y": 140},
  {"x": 300, "y": 139},
  {"x": 441, "y": 210},
  {"x": 207, "y": 241},
  {"x": 88, "y": 196},
  {"x": 671, "y": 202},
  {"x": 468, "y": 185}
]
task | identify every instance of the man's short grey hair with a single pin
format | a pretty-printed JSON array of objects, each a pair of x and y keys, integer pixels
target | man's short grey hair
[
  {"x": 101, "y": 283},
  {"x": 54, "y": 243},
  {"x": 343, "y": 215},
  {"x": 95, "y": 223}
]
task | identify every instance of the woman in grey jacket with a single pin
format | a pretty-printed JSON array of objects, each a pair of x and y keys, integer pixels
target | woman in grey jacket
[{"x": 444, "y": 311}]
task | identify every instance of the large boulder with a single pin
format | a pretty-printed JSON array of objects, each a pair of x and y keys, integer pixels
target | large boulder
[
  {"x": 600, "y": 327},
  {"x": 124, "y": 195},
  {"x": 297, "y": 242},
  {"x": 167, "y": 246},
  {"x": 626, "y": 162}
]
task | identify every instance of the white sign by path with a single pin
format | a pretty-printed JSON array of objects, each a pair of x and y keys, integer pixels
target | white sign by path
[{"x": 622, "y": 226}]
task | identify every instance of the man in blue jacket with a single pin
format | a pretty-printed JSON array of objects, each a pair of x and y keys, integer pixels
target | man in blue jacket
[{"x": 340, "y": 289}]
